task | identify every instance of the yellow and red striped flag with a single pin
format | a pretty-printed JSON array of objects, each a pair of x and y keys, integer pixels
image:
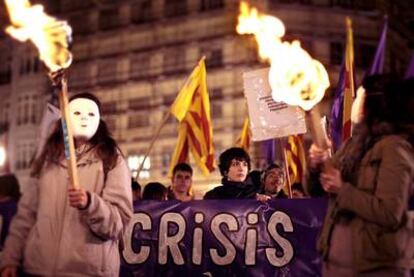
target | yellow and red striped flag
[
  {"x": 349, "y": 92},
  {"x": 296, "y": 159},
  {"x": 192, "y": 109},
  {"x": 244, "y": 140}
]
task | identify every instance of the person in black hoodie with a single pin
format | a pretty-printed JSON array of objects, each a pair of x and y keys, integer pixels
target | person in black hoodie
[{"x": 234, "y": 165}]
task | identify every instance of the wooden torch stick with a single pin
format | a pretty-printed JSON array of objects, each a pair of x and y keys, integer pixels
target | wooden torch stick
[
  {"x": 68, "y": 133},
  {"x": 289, "y": 185},
  {"x": 154, "y": 139},
  {"x": 313, "y": 119}
]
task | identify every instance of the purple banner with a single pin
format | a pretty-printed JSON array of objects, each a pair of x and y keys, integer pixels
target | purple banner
[{"x": 224, "y": 238}]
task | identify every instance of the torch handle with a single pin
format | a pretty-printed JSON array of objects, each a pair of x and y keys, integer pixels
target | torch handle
[
  {"x": 68, "y": 135},
  {"x": 313, "y": 118}
]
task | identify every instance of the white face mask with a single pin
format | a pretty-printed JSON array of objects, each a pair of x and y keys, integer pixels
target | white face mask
[{"x": 84, "y": 114}]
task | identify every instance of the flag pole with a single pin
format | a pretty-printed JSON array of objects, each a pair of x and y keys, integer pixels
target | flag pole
[
  {"x": 287, "y": 173},
  {"x": 154, "y": 139}
]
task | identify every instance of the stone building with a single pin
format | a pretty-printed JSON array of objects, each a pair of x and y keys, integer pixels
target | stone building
[{"x": 136, "y": 54}]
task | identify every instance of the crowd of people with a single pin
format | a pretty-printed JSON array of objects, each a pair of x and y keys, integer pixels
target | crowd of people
[
  {"x": 60, "y": 230},
  {"x": 238, "y": 182}
]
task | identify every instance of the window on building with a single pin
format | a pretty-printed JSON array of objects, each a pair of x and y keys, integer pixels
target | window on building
[
  {"x": 336, "y": 53},
  {"x": 165, "y": 160},
  {"x": 140, "y": 64},
  {"x": 216, "y": 100},
  {"x": 364, "y": 55},
  {"x": 109, "y": 19},
  {"x": 141, "y": 12},
  {"x": 138, "y": 104},
  {"x": 216, "y": 94},
  {"x": 134, "y": 161},
  {"x": 33, "y": 110},
  {"x": 80, "y": 24},
  {"x": 168, "y": 99},
  {"x": 214, "y": 58},
  {"x": 305, "y": 2},
  {"x": 71, "y": 5},
  {"x": 107, "y": 70},
  {"x": 307, "y": 45},
  {"x": 138, "y": 120},
  {"x": 111, "y": 123},
  {"x": 109, "y": 108},
  {"x": 174, "y": 60},
  {"x": 80, "y": 74},
  {"x": 207, "y": 5},
  {"x": 346, "y": 4},
  {"x": 5, "y": 76},
  {"x": 174, "y": 8},
  {"x": 217, "y": 109},
  {"x": 36, "y": 65}
]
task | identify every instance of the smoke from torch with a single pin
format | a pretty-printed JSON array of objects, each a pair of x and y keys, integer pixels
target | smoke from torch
[{"x": 295, "y": 78}]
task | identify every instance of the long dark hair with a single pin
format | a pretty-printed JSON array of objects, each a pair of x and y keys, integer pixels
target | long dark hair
[
  {"x": 379, "y": 120},
  {"x": 106, "y": 147}
]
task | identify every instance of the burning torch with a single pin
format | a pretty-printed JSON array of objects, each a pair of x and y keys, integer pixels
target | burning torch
[
  {"x": 52, "y": 38},
  {"x": 295, "y": 78}
]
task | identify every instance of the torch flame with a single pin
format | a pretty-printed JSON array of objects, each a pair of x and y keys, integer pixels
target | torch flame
[
  {"x": 48, "y": 34},
  {"x": 295, "y": 78}
]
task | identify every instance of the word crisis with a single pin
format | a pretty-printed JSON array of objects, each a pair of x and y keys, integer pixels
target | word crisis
[{"x": 221, "y": 238}]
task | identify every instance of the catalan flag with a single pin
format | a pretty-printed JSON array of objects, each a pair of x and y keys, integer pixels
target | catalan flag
[
  {"x": 295, "y": 158},
  {"x": 192, "y": 110},
  {"x": 349, "y": 92},
  {"x": 244, "y": 139}
]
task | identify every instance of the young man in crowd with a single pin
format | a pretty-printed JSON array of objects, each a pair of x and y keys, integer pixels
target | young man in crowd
[{"x": 182, "y": 180}]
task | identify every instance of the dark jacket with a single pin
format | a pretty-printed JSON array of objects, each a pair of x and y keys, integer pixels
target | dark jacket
[{"x": 232, "y": 190}]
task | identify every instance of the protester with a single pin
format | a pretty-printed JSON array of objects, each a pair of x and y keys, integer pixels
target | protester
[
  {"x": 182, "y": 180},
  {"x": 234, "y": 166},
  {"x": 366, "y": 230},
  {"x": 63, "y": 231},
  {"x": 298, "y": 191},
  {"x": 273, "y": 181},
  {"x": 155, "y": 191},
  {"x": 136, "y": 190}
]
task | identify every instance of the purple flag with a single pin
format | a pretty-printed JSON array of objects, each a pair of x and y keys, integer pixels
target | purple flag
[
  {"x": 268, "y": 150},
  {"x": 377, "y": 66},
  {"x": 410, "y": 70},
  {"x": 337, "y": 110}
]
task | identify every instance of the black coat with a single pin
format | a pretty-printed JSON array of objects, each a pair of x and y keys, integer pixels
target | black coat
[{"x": 232, "y": 190}]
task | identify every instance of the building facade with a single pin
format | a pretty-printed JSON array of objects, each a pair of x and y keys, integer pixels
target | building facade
[{"x": 136, "y": 54}]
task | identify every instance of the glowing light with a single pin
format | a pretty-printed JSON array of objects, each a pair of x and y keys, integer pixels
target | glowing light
[
  {"x": 49, "y": 35},
  {"x": 295, "y": 78},
  {"x": 2, "y": 156},
  {"x": 134, "y": 161}
]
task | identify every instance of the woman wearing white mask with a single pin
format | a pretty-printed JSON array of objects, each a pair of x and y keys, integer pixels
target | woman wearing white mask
[{"x": 62, "y": 231}]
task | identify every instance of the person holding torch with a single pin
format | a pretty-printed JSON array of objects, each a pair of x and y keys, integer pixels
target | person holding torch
[
  {"x": 367, "y": 229},
  {"x": 60, "y": 230}
]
